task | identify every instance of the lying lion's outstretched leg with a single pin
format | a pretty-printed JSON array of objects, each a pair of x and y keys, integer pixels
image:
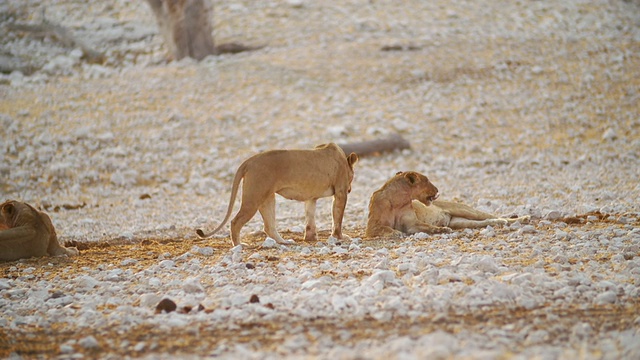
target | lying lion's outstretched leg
[
  {"x": 462, "y": 211},
  {"x": 466, "y": 217},
  {"x": 268, "y": 212},
  {"x": 411, "y": 224},
  {"x": 310, "y": 232},
  {"x": 522, "y": 219},
  {"x": 462, "y": 223}
]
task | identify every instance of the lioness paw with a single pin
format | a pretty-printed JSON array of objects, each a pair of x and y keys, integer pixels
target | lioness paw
[
  {"x": 345, "y": 237},
  {"x": 501, "y": 222}
]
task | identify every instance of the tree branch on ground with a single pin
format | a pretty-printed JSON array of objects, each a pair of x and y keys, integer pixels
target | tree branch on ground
[{"x": 377, "y": 146}]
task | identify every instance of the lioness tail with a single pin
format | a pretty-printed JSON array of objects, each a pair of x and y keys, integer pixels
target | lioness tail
[{"x": 234, "y": 191}]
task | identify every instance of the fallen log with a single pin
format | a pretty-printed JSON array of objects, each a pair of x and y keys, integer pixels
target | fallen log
[
  {"x": 63, "y": 35},
  {"x": 377, "y": 146}
]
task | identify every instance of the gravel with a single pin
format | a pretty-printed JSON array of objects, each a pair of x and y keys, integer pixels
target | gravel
[{"x": 511, "y": 107}]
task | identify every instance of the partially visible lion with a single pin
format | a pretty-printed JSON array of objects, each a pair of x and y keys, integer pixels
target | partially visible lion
[
  {"x": 406, "y": 204},
  {"x": 27, "y": 232},
  {"x": 302, "y": 175}
]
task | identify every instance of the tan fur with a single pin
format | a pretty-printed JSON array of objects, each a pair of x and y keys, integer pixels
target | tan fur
[
  {"x": 406, "y": 205},
  {"x": 27, "y": 232},
  {"x": 459, "y": 216},
  {"x": 302, "y": 175},
  {"x": 390, "y": 210}
]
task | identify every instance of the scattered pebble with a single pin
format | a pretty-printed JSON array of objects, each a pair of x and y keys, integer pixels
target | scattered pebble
[{"x": 89, "y": 343}]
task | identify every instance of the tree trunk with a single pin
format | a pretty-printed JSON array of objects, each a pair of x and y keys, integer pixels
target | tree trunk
[{"x": 186, "y": 27}]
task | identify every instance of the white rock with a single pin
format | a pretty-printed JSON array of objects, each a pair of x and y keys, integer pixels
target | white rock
[
  {"x": 206, "y": 251},
  {"x": 488, "y": 232},
  {"x": 383, "y": 277},
  {"x": 297, "y": 229},
  {"x": 527, "y": 229},
  {"x": 486, "y": 264},
  {"x": 66, "y": 349},
  {"x": 167, "y": 264},
  {"x": 339, "y": 250},
  {"x": 4, "y": 284},
  {"x": 609, "y": 135},
  {"x": 607, "y": 297},
  {"x": 87, "y": 282},
  {"x": 296, "y": 4},
  {"x": 269, "y": 243},
  {"x": 560, "y": 235},
  {"x": 89, "y": 342},
  {"x": 149, "y": 300},
  {"x": 128, "y": 261},
  {"x": 553, "y": 215},
  {"x": 537, "y": 70},
  {"x": 337, "y": 131},
  {"x": 192, "y": 285}
]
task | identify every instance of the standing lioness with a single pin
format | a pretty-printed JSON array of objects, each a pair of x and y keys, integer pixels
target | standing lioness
[{"x": 303, "y": 175}]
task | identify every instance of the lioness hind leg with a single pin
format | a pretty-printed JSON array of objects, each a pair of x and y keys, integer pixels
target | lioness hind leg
[
  {"x": 268, "y": 212},
  {"x": 246, "y": 212}
]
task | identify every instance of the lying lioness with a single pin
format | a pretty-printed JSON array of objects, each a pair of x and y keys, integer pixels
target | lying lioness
[
  {"x": 407, "y": 204},
  {"x": 27, "y": 232},
  {"x": 303, "y": 175}
]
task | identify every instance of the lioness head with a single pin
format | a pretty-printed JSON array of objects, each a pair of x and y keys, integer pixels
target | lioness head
[
  {"x": 12, "y": 214},
  {"x": 420, "y": 187},
  {"x": 352, "y": 159}
]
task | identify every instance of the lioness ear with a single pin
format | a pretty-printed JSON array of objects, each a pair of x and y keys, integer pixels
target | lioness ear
[
  {"x": 412, "y": 177},
  {"x": 9, "y": 209},
  {"x": 352, "y": 159}
]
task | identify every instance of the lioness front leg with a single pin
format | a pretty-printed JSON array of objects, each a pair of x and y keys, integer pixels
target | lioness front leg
[
  {"x": 310, "y": 232},
  {"x": 419, "y": 227},
  {"x": 339, "y": 203},
  {"x": 383, "y": 231}
]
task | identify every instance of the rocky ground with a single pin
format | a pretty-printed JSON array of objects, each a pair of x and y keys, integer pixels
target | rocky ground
[{"x": 511, "y": 107}]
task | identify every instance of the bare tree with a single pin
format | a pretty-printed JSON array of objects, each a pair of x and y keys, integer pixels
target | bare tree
[
  {"x": 185, "y": 26},
  {"x": 187, "y": 31}
]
